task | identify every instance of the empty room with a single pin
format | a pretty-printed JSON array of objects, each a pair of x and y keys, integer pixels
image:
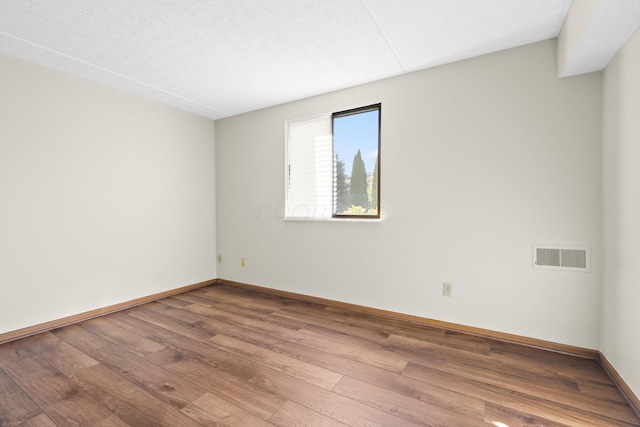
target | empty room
[{"x": 319, "y": 213}]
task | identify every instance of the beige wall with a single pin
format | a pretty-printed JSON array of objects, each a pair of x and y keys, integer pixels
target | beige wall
[
  {"x": 620, "y": 337},
  {"x": 105, "y": 197},
  {"x": 481, "y": 159}
]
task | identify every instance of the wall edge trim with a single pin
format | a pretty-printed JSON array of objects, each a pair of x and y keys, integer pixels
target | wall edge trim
[
  {"x": 620, "y": 383},
  {"x": 454, "y": 327},
  {"x": 586, "y": 353},
  {"x": 81, "y": 317}
]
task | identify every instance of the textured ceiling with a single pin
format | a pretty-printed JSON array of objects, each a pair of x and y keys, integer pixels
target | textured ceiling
[
  {"x": 609, "y": 24},
  {"x": 218, "y": 58}
]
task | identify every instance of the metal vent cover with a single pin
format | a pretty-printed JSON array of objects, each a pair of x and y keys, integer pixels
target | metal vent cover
[{"x": 557, "y": 257}]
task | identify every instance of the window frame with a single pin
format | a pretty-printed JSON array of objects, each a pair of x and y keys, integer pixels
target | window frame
[
  {"x": 350, "y": 112},
  {"x": 331, "y": 205}
]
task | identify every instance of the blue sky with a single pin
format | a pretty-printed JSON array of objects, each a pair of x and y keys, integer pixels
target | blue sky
[{"x": 353, "y": 132}]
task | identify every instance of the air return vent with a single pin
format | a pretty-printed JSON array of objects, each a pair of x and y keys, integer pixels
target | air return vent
[{"x": 554, "y": 257}]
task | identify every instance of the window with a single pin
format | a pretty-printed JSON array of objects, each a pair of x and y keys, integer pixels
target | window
[{"x": 333, "y": 165}]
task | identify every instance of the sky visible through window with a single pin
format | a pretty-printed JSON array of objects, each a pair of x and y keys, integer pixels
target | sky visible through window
[{"x": 357, "y": 132}]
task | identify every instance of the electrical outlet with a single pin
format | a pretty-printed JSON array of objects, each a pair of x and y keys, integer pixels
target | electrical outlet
[
  {"x": 242, "y": 262},
  {"x": 219, "y": 259},
  {"x": 447, "y": 289}
]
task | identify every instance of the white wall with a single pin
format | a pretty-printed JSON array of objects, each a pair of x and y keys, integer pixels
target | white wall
[
  {"x": 480, "y": 160},
  {"x": 621, "y": 212},
  {"x": 104, "y": 197}
]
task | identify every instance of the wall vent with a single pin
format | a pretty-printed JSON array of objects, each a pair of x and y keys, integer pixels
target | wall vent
[{"x": 555, "y": 257}]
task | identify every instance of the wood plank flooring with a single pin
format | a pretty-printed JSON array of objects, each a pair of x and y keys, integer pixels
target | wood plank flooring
[{"x": 224, "y": 356}]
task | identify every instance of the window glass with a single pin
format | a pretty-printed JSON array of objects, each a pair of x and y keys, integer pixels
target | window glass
[{"x": 356, "y": 144}]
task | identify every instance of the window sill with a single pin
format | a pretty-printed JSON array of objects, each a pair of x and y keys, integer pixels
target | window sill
[{"x": 332, "y": 219}]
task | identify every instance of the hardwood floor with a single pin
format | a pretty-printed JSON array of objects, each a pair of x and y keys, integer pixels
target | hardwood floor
[{"x": 225, "y": 356}]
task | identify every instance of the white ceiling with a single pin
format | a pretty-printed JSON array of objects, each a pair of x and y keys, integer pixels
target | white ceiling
[{"x": 217, "y": 58}]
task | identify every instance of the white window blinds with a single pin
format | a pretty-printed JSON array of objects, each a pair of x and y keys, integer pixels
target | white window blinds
[{"x": 309, "y": 163}]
